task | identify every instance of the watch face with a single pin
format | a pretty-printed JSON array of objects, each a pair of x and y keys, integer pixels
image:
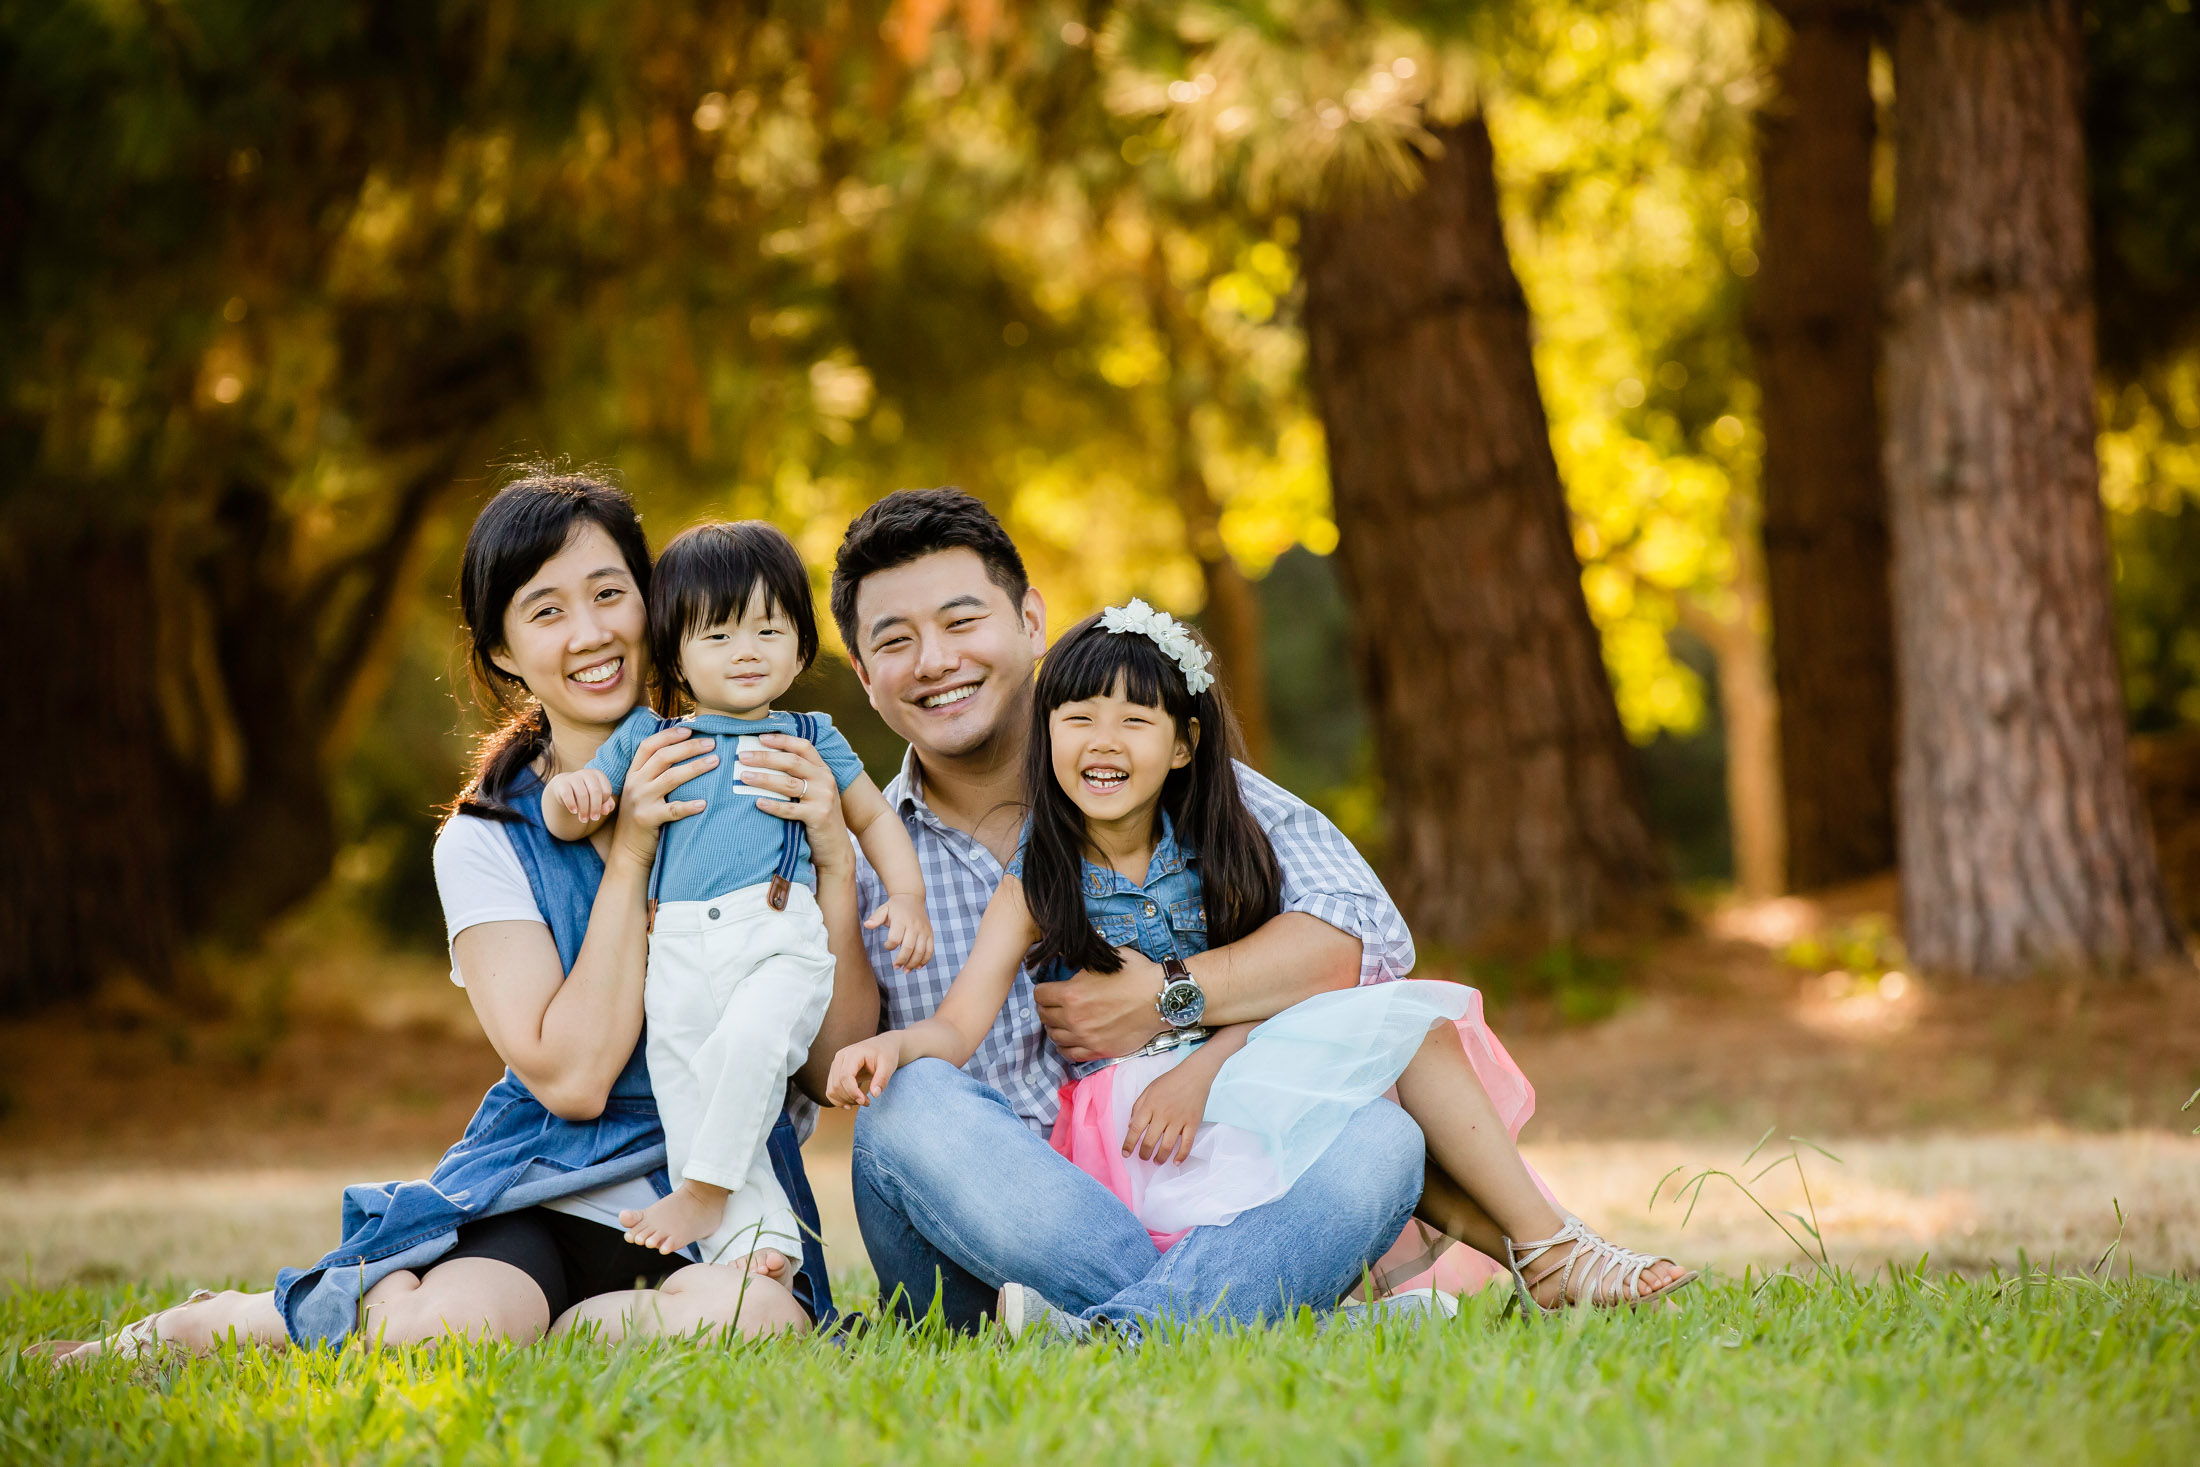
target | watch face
[{"x": 1182, "y": 1003}]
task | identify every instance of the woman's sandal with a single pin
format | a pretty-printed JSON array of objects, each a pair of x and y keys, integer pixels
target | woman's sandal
[
  {"x": 1611, "y": 1275},
  {"x": 134, "y": 1341}
]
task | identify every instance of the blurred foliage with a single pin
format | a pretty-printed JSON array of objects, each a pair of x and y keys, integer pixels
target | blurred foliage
[
  {"x": 2143, "y": 144},
  {"x": 1865, "y": 947},
  {"x": 775, "y": 259},
  {"x": 1624, "y": 150}
]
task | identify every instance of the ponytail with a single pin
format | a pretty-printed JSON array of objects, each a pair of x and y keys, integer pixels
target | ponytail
[{"x": 504, "y": 752}]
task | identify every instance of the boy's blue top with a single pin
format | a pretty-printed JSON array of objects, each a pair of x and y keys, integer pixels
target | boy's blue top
[
  {"x": 729, "y": 844},
  {"x": 1163, "y": 916}
]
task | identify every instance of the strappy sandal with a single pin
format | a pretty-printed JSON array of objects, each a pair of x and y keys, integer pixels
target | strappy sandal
[
  {"x": 134, "y": 1341},
  {"x": 1611, "y": 1275}
]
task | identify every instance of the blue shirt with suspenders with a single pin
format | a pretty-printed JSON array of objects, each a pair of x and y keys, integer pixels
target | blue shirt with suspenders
[{"x": 515, "y": 1153}]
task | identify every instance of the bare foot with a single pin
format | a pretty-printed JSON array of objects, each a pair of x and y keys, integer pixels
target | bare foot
[
  {"x": 693, "y": 1210},
  {"x": 767, "y": 1263}
]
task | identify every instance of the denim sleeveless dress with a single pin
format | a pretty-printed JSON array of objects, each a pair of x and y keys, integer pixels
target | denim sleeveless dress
[{"x": 515, "y": 1153}]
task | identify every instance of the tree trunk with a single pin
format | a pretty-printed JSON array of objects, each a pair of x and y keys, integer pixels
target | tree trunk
[
  {"x": 2023, "y": 843},
  {"x": 87, "y": 890},
  {"x": 1814, "y": 319},
  {"x": 1749, "y": 712},
  {"x": 1513, "y": 809}
]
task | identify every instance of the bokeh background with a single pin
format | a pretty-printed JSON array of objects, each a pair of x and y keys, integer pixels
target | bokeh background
[{"x": 289, "y": 287}]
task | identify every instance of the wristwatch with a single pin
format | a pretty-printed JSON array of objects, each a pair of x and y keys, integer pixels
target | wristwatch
[{"x": 1182, "y": 1000}]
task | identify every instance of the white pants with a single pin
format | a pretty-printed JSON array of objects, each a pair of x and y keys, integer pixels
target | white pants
[{"x": 735, "y": 994}]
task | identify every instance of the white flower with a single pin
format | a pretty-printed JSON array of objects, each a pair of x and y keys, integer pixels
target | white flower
[{"x": 1169, "y": 635}]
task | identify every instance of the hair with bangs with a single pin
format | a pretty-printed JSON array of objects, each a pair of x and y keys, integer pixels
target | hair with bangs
[
  {"x": 713, "y": 573},
  {"x": 523, "y": 526},
  {"x": 1239, "y": 877}
]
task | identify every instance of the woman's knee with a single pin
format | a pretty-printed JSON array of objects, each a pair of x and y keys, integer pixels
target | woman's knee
[
  {"x": 711, "y": 1299},
  {"x": 475, "y": 1298}
]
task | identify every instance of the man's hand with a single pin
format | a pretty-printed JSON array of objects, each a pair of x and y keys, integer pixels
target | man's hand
[{"x": 1103, "y": 1015}]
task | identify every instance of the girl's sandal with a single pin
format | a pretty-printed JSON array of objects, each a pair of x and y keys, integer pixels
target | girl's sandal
[
  {"x": 134, "y": 1341},
  {"x": 1611, "y": 1275}
]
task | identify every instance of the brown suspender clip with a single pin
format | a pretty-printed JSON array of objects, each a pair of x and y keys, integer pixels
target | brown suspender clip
[{"x": 777, "y": 898}]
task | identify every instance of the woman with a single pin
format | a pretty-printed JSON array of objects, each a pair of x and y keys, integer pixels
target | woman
[{"x": 516, "y": 1233}]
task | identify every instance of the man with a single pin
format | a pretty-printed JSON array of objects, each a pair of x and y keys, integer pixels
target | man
[{"x": 957, "y": 1191}]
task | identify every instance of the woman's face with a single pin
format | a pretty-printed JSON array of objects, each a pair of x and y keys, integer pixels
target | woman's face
[{"x": 576, "y": 633}]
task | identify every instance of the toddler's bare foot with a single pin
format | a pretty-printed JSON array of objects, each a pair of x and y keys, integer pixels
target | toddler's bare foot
[
  {"x": 767, "y": 1263},
  {"x": 672, "y": 1222}
]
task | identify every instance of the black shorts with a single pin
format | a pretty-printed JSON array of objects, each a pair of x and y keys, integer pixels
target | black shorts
[{"x": 569, "y": 1258}]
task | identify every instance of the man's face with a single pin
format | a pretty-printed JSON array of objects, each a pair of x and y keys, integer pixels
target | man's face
[{"x": 945, "y": 656}]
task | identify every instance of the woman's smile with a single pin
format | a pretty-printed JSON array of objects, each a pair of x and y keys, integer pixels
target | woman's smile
[{"x": 600, "y": 675}]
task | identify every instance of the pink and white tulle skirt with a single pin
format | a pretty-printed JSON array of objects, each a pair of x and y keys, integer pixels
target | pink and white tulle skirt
[{"x": 1278, "y": 1103}]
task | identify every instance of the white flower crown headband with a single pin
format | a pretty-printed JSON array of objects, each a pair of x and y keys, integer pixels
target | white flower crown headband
[{"x": 1169, "y": 634}]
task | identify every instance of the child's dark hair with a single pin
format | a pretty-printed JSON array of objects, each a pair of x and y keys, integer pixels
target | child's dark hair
[
  {"x": 909, "y": 524},
  {"x": 524, "y": 525},
  {"x": 711, "y": 573},
  {"x": 1239, "y": 877}
]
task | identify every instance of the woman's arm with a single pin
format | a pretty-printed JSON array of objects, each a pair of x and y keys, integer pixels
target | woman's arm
[{"x": 568, "y": 1035}]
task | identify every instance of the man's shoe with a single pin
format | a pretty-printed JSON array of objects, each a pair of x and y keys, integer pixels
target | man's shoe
[
  {"x": 1418, "y": 1305},
  {"x": 1021, "y": 1310}
]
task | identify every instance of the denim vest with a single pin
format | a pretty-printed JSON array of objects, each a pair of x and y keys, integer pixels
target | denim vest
[
  {"x": 515, "y": 1153},
  {"x": 1163, "y": 916}
]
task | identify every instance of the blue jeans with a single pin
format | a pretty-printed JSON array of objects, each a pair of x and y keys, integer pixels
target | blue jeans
[{"x": 956, "y": 1196}]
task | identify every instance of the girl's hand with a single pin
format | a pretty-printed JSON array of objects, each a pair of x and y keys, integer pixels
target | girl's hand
[
  {"x": 860, "y": 1071},
  {"x": 908, "y": 929},
  {"x": 662, "y": 763},
  {"x": 1165, "y": 1118},
  {"x": 807, "y": 792}
]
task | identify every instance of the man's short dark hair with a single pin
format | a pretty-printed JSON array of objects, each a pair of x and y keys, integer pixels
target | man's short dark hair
[{"x": 910, "y": 524}]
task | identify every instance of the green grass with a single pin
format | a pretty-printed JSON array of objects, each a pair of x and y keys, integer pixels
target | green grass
[{"x": 1947, "y": 1371}]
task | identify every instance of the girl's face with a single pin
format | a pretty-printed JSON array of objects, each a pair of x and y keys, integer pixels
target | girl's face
[
  {"x": 739, "y": 667},
  {"x": 575, "y": 633},
  {"x": 1112, "y": 755}
]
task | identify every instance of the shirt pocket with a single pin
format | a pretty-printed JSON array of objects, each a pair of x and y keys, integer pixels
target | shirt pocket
[
  {"x": 1188, "y": 920},
  {"x": 1116, "y": 931}
]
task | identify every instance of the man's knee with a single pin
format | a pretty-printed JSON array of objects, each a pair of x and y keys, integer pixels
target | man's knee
[
  {"x": 911, "y": 1111},
  {"x": 1378, "y": 1161}
]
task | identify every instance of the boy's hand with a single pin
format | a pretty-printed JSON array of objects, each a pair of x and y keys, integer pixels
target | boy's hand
[
  {"x": 1165, "y": 1118},
  {"x": 586, "y": 794},
  {"x": 908, "y": 929},
  {"x": 860, "y": 1071}
]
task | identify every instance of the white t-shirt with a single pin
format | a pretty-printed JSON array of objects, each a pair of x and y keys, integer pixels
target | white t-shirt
[{"x": 480, "y": 879}]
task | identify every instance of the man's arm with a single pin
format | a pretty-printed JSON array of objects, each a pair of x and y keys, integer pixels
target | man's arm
[
  {"x": 1338, "y": 927},
  {"x": 1289, "y": 958}
]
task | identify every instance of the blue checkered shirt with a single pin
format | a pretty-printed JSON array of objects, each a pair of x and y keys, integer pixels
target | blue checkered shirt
[{"x": 1323, "y": 876}]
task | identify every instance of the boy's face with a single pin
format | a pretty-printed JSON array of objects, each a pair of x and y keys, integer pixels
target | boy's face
[
  {"x": 739, "y": 667},
  {"x": 945, "y": 656}
]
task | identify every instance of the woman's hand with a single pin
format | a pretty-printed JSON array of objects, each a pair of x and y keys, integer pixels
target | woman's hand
[
  {"x": 662, "y": 763},
  {"x": 806, "y": 791}
]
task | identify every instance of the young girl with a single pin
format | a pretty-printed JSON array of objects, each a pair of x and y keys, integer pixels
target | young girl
[
  {"x": 1138, "y": 838},
  {"x": 739, "y": 974}
]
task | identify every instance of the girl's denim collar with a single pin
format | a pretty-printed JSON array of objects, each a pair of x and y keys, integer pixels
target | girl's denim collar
[{"x": 1168, "y": 858}]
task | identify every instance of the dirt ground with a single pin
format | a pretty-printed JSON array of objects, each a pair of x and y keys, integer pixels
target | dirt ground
[{"x": 1971, "y": 1122}]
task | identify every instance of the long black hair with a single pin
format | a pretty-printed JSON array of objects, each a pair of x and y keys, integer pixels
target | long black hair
[
  {"x": 522, "y": 526},
  {"x": 1239, "y": 877},
  {"x": 709, "y": 574}
]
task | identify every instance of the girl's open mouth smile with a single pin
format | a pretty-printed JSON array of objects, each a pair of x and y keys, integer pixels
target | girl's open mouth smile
[{"x": 1103, "y": 779}]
